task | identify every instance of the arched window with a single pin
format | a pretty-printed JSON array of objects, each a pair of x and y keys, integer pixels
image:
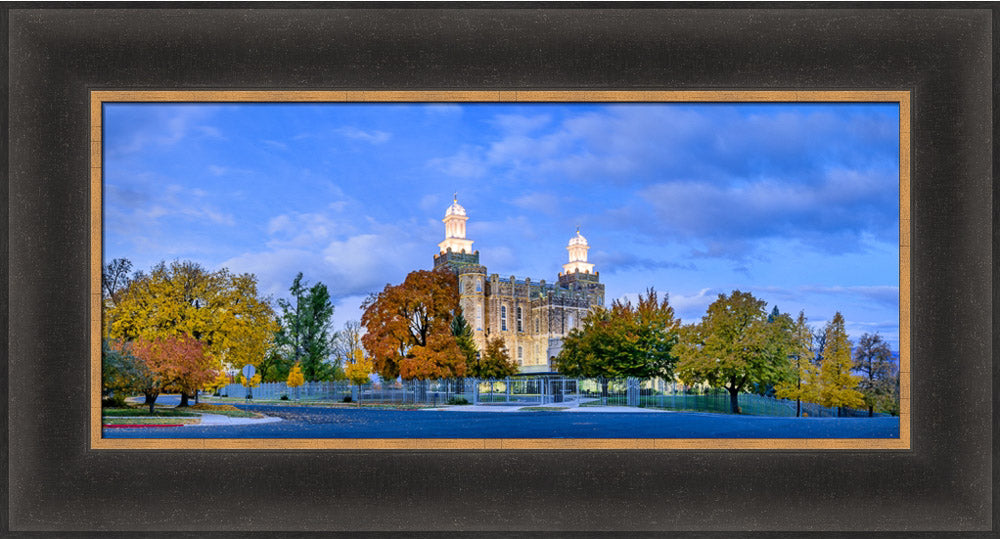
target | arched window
[
  {"x": 520, "y": 326},
  {"x": 520, "y": 355},
  {"x": 479, "y": 285},
  {"x": 503, "y": 318}
]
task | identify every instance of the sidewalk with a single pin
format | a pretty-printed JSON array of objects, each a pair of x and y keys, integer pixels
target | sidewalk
[
  {"x": 210, "y": 420},
  {"x": 555, "y": 407}
]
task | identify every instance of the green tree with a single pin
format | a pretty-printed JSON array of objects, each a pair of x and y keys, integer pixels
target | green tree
[
  {"x": 462, "y": 332},
  {"x": 802, "y": 385},
  {"x": 624, "y": 341},
  {"x": 305, "y": 335},
  {"x": 121, "y": 372},
  {"x": 836, "y": 381},
  {"x": 275, "y": 366},
  {"x": 873, "y": 360},
  {"x": 734, "y": 347},
  {"x": 495, "y": 362}
]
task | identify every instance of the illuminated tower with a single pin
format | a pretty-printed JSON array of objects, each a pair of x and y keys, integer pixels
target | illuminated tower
[
  {"x": 578, "y": 255},
  {"x": 454, "y": 230}
]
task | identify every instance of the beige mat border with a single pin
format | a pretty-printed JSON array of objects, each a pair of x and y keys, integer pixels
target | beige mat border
[{"x": 99, "y": 97}]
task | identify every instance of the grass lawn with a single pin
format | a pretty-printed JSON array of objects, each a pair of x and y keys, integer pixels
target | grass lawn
[
  {"x": 323, "y": 403},
  {"x": 150, "y": 420},
  {"x": 170, "y": 412},
  {"x": 223, "y": 409},
  {"x": 143, "y": 411}
]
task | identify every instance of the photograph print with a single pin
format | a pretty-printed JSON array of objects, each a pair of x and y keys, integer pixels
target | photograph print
[{"x": 581, "y": 271}]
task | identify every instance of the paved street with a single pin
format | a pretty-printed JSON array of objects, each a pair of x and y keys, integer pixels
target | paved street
[{"x": 312, "y": 422}]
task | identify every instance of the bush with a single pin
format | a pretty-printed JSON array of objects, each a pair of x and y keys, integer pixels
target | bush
[
  {"x": 284, "y": 397},
  {"x": 348, "y": 399},
  {"x": 114, "y": 401},
  {"x": 458, "y": 400}
]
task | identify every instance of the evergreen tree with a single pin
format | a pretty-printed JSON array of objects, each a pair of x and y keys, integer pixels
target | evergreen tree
[
  {"x": 873, "y": 359},
  {"x": 495, "y": 362},
  {"x": 462, "y": 331},
  {"x": 305, "y": 335},
  {"x": 836, "y": 381}
]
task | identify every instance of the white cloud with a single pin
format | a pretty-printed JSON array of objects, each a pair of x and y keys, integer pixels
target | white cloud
[
  {"x": 691, "y": 307},
  {"x": 373, "y": 136},
  {"x": 886, "y": 295},
  {"x": 218, "y": 170},
  {"x": 466, "y": 164},
  {"x": 303, "y": 229},
  {"x": 517, "y": 123},
  {"x": 131, "y": 208},
  {"x": 540, "y": 202},
  {"x": 168, "y": 126},
  {"x": 443, "y": 109},
  {"x": 276, "y": 144}
]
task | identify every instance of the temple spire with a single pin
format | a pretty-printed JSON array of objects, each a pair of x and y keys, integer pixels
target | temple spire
[
  {"x": 577, "y": 248},
  {"x": 454, "y": 229}
]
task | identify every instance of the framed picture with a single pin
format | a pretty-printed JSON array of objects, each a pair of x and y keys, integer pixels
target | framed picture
[
  {"x": 67, "y": 66},
  {"x": 168, "y": 171}
]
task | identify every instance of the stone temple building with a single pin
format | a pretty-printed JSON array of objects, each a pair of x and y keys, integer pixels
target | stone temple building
[{"x": 532, "y": 317}]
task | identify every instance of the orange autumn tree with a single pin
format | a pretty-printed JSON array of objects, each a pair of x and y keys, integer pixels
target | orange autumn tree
[
  {"x": 409, "y": 328},
  {"x": 170, "y": 363}
]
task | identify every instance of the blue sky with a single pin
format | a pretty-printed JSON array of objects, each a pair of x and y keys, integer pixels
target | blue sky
[{"x": 797, "y": 203}]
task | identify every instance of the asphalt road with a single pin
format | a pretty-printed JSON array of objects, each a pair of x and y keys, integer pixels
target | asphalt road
[{"x": 311, "y": 422}]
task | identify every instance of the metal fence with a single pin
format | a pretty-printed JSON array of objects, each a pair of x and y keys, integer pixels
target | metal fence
[
  {"x": 537, "y": 390},
  {"x": 662, "y": 394}
]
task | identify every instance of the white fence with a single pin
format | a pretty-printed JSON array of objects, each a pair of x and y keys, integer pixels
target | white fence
[
  {"x": 533, "y": 390},
  {"x": 514, "y": 391}
]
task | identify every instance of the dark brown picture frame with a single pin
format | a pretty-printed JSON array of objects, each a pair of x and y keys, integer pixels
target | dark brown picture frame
[{"x": 57, "y": 57}]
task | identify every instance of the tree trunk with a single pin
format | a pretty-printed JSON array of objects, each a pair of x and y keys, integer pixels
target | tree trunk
[
  {"x": 798, "y": 407},
  {"x": 734, "y": 400},
  {"x": 604, "y": 388},
  {"x": 151, "y": 401},
  {"x": 838, "y": 411},
  {"x": 184, "y": 400},
  {"x": 196, "y": 396},
  {"x": 871, "y": 411}
]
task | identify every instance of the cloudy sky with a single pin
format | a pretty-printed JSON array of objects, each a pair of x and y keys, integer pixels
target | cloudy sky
[{"x": 797, "y": 203}]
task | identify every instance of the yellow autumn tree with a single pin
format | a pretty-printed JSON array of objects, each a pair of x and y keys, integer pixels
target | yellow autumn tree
[
  {"x": 221, "y": 310},
  {"x": 803, "y": 385},
  {"x": 837, "y": 383},
  {"x": 221, "y": 380},
  {"x": 254, "y": 381},
  {"x": 295, "y": 378},
  {"x": 358, "y": 370}
]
